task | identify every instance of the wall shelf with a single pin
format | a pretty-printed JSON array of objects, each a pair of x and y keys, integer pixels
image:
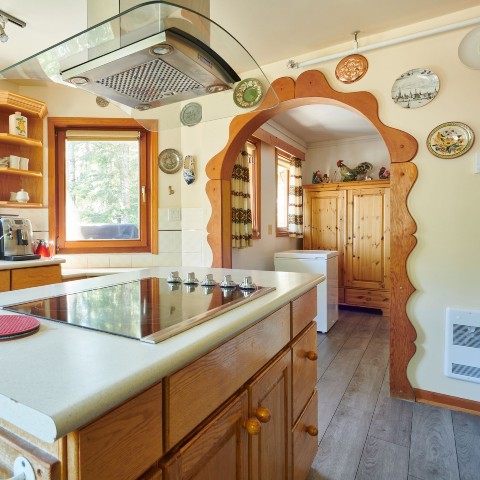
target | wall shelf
[
  {"x": 22, "y": 173},
  {"x": 4, "y": 204},
  {"x": 21, "y": 141}
]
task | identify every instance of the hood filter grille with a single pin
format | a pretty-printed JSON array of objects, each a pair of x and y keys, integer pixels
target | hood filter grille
[{"x": 150, "y": 82}]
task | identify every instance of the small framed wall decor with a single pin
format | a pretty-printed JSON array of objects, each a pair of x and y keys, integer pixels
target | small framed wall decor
[{"x": 450, "y": 140}]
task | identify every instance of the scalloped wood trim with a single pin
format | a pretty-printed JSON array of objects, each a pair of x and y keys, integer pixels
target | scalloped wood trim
[
  {"x": 310, "y": 88},
  {"x": 12, "y": 102}
]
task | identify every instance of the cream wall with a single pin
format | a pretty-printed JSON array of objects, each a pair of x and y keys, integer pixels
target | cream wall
[{"x": 445, "y": 265}]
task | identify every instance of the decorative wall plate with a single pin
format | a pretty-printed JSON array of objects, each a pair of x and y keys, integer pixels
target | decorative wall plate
[
  {"x": 450, "y": 140},
  {"x": 191, "y": 114},
  {"x": 415, "y": 88},
  {"x": 352, "y": 68},
  {"x": 169, "y": 160},
  {"x": 248, "y": 93}
]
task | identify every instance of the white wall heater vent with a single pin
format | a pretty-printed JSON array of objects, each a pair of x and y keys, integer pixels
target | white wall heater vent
[{"x": 462, "y": 344}]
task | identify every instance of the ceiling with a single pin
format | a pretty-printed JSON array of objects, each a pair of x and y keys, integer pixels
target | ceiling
[{"x": 270, "y": 31}]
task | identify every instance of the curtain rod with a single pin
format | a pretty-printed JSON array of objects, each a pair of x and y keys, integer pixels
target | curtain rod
[{"x": 386, "y": 43}]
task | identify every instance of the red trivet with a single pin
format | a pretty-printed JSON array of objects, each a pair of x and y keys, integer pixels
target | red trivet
[{"x": 13, "y": 326}]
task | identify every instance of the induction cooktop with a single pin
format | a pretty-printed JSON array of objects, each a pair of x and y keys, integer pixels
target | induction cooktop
[{"x": 149, "y": 309}]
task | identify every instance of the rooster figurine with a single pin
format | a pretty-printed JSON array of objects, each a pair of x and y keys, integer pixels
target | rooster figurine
[
  {"x": 351, "y": 174},
  {"x": 384, "y": 174}
]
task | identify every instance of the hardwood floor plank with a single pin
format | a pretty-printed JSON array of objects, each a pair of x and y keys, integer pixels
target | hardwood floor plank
[
  {"x": 383, "y": 460},
  {"x": 466, "y": 422},
  {"x": 364, "y": 387},
  {"x": 332, "y": 342},
  {"x": 432, "y": 451},
  {"x": 392, "y": 419},
  {"x": 341, "y": 448},
  {"x": 468, "y": 454},
  {"x": 336, "y": 378}
]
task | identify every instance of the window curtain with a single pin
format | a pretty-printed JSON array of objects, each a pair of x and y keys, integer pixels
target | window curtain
[
  {"x": 295, "y": 199},
  {"x": 241, "y": 208}
]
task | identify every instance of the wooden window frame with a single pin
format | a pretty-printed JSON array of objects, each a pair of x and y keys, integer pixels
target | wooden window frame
[
  {"x": 255, "y": 169},
  {"x": 148, "y": 241},
  {"x": 280, "y": 156}
]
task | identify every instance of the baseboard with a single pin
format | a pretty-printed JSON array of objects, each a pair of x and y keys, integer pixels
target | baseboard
[{"x": 441, "y": 400}]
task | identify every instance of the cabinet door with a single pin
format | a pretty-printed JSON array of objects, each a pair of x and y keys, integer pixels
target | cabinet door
[
  {"x": 218, "y": 451},
  {"x": 269, "y": 402},
  {"x": 4, "y": 280},
  {"x": 36, "y": 276},
  {"x": 367, "y": 255},
  {"x": 324, "y": 225}
]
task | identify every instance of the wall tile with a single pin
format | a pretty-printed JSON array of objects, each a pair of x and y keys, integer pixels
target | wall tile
[
  {"x": 141, "y": 260},
  {"x": 192, "y": 241},
  {"x": 192, "y": 259},
  {"x": 164, "y": 223},
  {"x": 192, "y": 219},
  {"x": 120, "y": 260},
  {"x": 167, "y": 260},
  {"x": 98, "y": 261},
  {"x": 169, "y": 241},
  {"x": 74, "y": 261}
]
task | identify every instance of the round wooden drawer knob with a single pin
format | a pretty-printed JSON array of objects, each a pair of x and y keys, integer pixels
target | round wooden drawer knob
[
  {"x": 311, "y": 355},
  {"x": 311, "y": 430},
  {"x": 263, "y": 414},
  {"x": 253, "y": 425}
]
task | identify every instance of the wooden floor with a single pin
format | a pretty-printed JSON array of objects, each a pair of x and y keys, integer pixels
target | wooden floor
[{"x": 366, "y": 435}]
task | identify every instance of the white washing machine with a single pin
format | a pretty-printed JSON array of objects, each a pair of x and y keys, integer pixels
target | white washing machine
[{"x": 323, "y": 262}]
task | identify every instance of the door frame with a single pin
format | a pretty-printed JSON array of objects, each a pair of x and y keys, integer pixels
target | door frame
[{"x": 311, "y": 87}]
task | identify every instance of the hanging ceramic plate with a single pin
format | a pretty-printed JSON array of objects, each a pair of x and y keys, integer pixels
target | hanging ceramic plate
[
  {"x": 191, "y": 114},
  {"x": 169, "y": 160},
  {"x": 450, "y": 140},
  {"x": 415, "y": 88},
  {"x": 352, "y": 68},
  {"x": 248, "y": 93}
]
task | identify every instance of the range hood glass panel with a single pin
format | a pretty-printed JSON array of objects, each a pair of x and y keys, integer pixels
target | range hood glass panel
[{"x": 205, "y": 56}]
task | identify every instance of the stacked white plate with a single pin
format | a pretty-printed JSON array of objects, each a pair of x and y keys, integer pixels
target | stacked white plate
[{"x": 4, "y": 162}]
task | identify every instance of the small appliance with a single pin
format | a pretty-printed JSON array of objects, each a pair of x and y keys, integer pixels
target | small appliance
[{"x": 16, "y": 239}]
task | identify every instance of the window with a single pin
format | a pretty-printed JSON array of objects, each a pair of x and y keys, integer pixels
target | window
[
  {"x": 254, "y": 166},
  {"x": 105, "y": 186},
  {"x": 283, "y": 174}
]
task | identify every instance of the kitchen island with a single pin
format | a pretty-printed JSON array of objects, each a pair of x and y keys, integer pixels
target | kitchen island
[{"x": 85, "y": 404}]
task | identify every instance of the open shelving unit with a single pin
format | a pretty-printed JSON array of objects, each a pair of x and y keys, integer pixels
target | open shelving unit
[{"x": 31, "y": 147}]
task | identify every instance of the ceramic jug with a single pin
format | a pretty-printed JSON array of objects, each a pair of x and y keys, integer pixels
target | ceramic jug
[{"x": 22, "y": 196}]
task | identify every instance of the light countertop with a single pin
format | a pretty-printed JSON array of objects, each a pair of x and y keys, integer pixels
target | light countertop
[
  {"x": 41, "y": 262},
  {"x": 62, "y": 377}
]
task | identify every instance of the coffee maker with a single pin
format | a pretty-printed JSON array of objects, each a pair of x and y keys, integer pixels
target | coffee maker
[{"x": 16, "y": 239}]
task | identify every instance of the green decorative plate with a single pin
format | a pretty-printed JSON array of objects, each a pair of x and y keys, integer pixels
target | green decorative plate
[
  {"x": 191, "y": 114},
  {"x": 248, "y": 93}
]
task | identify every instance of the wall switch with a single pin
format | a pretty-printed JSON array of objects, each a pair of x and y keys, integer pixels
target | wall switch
[
  {"x": 174, "y": 215},
  {"x": 270, "y": 229},
  {"x": 476, "y": 163}
]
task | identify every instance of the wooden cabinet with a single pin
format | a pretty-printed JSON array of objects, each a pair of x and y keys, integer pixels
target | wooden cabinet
[
  {"x": 4, "y": 280},
  {"x": 13, "y": 179},
  {"x": 353, "y": 218},
  {"x": 35, "y": 276}
]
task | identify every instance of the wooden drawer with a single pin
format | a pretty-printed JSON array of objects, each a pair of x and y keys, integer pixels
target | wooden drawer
[
  {"x": 304, "y": 369},
  {"x": 305, "y": 439},
  {"x": 197, "y": 390},
  {"x": 46, "y": 466},
  {"x": 304, "y": 310},
  {"x": 4, "y": 280},
  {"x": 123, "y": 443},
  {"x": 367, "y": 298},
  {"x": 35, "y": 276}
]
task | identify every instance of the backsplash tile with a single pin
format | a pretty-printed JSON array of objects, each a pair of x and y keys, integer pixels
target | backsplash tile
[
  {"x": 169, "y": 242},
  {"x": 192, "y": 241},
  {"x": 98, "y": 261},
  {"x": 192, "y": 259},
  {"x": 142, "y": 260},
  {"x": 192, "y": 219},
  {"x": 75, "y": 261},
  {"x": 120, "y": 261},
  {"x": 167, "y": 260}
]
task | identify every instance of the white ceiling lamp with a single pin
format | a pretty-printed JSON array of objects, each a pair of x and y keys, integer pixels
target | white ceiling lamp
[
  {"x": 469, "y": 49},
  {"x": 4, "y": 18}
]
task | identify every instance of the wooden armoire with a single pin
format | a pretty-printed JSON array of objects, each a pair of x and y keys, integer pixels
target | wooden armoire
[{"x": 354, "y": 219}]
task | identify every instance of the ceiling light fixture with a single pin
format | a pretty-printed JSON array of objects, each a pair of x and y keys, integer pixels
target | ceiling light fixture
[{"x": 4, "y": 18}]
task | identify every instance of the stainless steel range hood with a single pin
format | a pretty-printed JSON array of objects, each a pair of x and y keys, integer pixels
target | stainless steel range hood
[{"x": 152, "y": 55}]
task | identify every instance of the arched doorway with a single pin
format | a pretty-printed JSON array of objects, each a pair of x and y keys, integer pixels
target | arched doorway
[{"x": 311, "y": 87}]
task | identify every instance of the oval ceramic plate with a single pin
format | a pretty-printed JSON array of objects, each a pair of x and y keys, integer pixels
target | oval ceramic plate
[
  {"x": 450, "y": 140},
  {"x": 415, "y": 88},
  {"x": 351, "y": 68},
  {"x": 248, "y": 93},
  {"x": 169, "y": 160},
  {"x": 191, "y": 114}
]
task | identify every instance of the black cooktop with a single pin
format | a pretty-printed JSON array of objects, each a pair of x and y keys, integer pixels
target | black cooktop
[{"x": 148, "y": 309}]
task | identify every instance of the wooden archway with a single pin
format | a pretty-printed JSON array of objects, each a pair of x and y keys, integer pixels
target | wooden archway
[{"x": 311, "y": 87}]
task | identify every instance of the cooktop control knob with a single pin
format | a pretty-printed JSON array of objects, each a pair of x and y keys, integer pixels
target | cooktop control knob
[
  {"x": 173, "y": 277},
  {"x": 248, "y": 284},
  {"x": 228, "y": 282},
  {"x": 208, "y": 281},
  {"x": 191, "y": 279}
]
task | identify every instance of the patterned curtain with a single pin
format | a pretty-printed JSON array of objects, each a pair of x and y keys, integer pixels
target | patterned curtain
[
  {"x": 295, "y": 199},
  {"x": 241, "y": 209}
]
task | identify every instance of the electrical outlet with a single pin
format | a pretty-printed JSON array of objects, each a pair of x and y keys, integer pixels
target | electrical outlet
[{"x": 174, "y": 215}]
